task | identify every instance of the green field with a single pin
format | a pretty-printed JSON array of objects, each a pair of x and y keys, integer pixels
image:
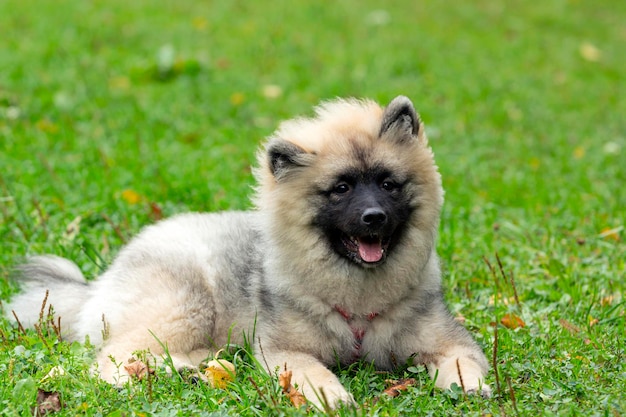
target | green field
[{"x": 114, "y": 114}]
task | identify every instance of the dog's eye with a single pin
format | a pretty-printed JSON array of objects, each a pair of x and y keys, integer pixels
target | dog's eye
[
  {"x": 341, "y": 188},
  {"x": 388, "y": 185}
]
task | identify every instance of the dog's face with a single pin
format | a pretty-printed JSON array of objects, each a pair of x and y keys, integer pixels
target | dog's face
[
  {"x": 355, "y": 179},
  {"x": 362, "y": 211}
]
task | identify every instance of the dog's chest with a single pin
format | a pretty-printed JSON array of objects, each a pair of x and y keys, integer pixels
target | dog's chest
[{"x": 360, "y": 326}]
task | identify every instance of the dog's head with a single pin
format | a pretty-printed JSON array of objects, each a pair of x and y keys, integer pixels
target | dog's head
[{"x": 353, "y": 182}]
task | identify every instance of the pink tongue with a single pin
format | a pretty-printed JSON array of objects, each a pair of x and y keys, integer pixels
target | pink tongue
[{"x": 370, "y": 251}]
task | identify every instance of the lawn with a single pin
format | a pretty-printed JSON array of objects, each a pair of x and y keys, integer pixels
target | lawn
[{"x": 116, "y": 114}]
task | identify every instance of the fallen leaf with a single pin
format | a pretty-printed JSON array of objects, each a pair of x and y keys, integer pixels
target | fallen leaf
[
  {"x": 535, "y": 163},
  {"x": 572, "y": 328},
  {"x": 199, "y": 23},
  {"x": 131, "y": 197},
  {"x": 219, "y": 373},
  {"x": 611, "y": 233},
  {"x": 237, "y": 99},
  {"x": 272, "y": 91},
  {"x": 511, "y": 321},
  {"x": 607, "y": 301},
  {"x": 155, "y": 211},
  {"x": 397, "y": 386},
  {"x": 120, "y": 83},
  {"x": 579, "y": 152},
  {"x": 296, "y": 398},
  {"x": 589, "y": 52},
  {"x": 138, "y": 369},
  {"x": 47, "y": 402},
  {"x": 47, "y": 126},
  {"x": 500, "y": 299}
]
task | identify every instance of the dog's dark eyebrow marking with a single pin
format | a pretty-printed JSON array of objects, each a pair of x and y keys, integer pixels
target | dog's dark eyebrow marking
[
  {"x": 360, "y": 154},
  {"x": 376, "y": 172}
]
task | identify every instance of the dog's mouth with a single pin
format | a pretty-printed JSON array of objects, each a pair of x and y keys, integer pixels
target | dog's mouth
[{"x": 369, "y": 250}]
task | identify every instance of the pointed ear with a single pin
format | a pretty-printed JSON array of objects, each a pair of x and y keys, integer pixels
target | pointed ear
[
  {"x": 400, "y": 121},
  {"x": 284, "y": 157}
]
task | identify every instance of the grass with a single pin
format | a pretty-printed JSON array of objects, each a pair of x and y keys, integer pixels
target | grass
[{"x": 115, "y": 114}]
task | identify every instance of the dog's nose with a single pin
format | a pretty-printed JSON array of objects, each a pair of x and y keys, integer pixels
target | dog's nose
[{"x": 374, "y": 216}]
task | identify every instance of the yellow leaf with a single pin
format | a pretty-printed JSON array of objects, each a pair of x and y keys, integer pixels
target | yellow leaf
[
  {"x": 579, "y": 152},
  {"x": 237, "y": 99},
  {"x": 611, "y": 233},
  {"x": 120, "y": 83},
  {"x": 47, "y": 126},
  {"x": 199, "y": 23},
  {"x": 131, "y": 197},
  {"x": 607, "y": 301},
  {"x": 589, "y": 52},
  {"x": 535, "y": 163},
  {"x": 219, "y": 372}
]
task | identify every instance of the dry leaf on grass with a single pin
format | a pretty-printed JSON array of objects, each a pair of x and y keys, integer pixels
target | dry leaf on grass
[
  {"x": 589, "y": 52},
  {"x": 607, "y": 301},
  {"x": 398, "y": 385},
  {"x": 611, "y": 233},
  {"x": 570, "y": 327},
  {"x": 156, "y": 213},
  {"x": 511, "y": 321},
  {"x": 138, "y": 369},
  {"x": 219, "y": 373},
  {"x": 47, "y": 402},
  {"x": 284, "y": 380}
]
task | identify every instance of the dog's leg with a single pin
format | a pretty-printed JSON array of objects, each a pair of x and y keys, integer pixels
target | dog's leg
[
  {"x": 461, "y": 365},
  {"x": 116, "y": 355},
  {"x": 316, "y": 382},
  {"x": 112, "y": 361}
]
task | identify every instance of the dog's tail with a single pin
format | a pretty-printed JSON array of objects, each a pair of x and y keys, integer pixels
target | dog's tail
[{"x": 66, "y": 288}]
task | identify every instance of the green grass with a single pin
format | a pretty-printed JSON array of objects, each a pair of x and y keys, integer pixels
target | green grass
[{"x": 524, "y": 103}]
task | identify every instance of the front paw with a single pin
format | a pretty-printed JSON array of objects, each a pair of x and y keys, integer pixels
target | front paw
[
  {"x": 321, "y": 387},
  {"x": 328, "y": 396},
  {"x": 462, "y": 371},
  {"x": 484, "y": 391}
]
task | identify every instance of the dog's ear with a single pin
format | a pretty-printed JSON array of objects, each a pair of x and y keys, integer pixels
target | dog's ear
[
  {"x": 400, "y": 120},
  {"x": 284, "y": 157}
]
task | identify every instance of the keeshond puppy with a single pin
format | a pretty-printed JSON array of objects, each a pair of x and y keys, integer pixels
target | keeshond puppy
[{"x": 336, "y": 264}]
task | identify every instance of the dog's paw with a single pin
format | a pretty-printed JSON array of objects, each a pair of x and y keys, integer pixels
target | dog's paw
[
  {"x": 322, "y": 388},
  {"x": 462, "y": 371},
  {"x": 483, "y": 390},
  {"x": 330, "y": 396},
  {"x": 112, "y": 372}
]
